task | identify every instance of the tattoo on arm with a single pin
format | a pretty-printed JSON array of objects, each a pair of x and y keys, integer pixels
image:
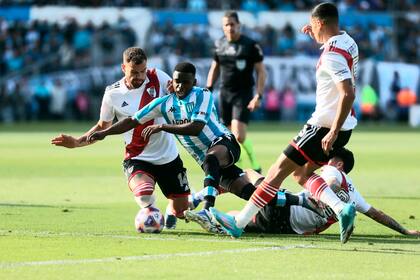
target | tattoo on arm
[{"x": 385, "y": 220}]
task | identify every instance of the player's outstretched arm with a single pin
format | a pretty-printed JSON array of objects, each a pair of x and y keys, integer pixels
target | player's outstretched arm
[
  {"x": 71, "y": 142},
  {"x": 192, "y": 128},
  {"x": 117, "y": 128},
  {"x": 388, "y": 221}
]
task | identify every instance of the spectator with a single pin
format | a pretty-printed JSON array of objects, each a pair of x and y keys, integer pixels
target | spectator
[
  {"x": 58, "y": 100},
  {"x": 197, "y": 5},
  {"x": 82, "y": 105},
  {"x": 369, "y": 104},
  {"x": 288, "y": 105},
  {"x": 272, "y": 104},
  {"x": 42, "y": 97}
]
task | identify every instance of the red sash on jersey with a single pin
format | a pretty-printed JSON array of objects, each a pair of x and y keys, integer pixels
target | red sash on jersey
[
  {"x": 138, "y": 143},
  {"x": 344, "y": 186},
  {"x": 348, "y": 58}
]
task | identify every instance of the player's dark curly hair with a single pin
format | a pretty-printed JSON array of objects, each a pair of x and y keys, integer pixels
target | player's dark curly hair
[
  {"x": 185, "y": 67},
  {"x": 326, "y": 12},
  {"x": 134, "y": 54},
  {"x": 346, "y": 156},
  {"x": 232, "y": 14}
]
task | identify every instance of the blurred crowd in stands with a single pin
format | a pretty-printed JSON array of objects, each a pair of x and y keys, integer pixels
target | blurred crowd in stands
[
  {"x": 34, "y": 47},
  {"x": 24, "y": 45},
  {"x": 376, "y": 42},
  {"x": 246, "y": 5}
]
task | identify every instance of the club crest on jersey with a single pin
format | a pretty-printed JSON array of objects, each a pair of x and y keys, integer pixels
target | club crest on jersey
[
  {"x": 124, "y": 104},
  {"x": 240, "y": 64},
  {"x": 151, "y": 91},
  {"x": 189, "y": 107}
]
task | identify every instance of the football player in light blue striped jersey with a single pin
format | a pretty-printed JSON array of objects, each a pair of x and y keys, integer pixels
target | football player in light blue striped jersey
[{"x": 191, "y": 116}]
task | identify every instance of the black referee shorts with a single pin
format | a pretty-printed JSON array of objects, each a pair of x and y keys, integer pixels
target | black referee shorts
[{"x": 233, "y": 105}]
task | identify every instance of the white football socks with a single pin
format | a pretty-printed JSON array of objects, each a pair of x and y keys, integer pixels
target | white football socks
[
  {"x": 246, "y": 214},
  {"x": 146, "y": 200}
]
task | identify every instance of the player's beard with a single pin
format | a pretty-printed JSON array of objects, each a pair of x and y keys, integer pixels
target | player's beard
[{"x": 137, "y": 83}]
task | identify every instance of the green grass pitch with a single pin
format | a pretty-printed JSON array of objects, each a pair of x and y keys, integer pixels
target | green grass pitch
[{"x": 68, "y": 214}]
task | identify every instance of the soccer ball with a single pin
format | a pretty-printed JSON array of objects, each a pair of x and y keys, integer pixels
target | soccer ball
[{"x": 149, "y": 220}]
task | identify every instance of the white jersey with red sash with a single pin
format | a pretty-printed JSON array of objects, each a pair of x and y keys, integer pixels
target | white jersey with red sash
[
  {"x": 338, "y": 62},
  {"x": 120, "y": 102},
  {"x": 304, "y": 221}
]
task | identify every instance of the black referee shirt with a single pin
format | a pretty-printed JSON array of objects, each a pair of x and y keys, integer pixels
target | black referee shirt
[{"x": 236, "y": 61}]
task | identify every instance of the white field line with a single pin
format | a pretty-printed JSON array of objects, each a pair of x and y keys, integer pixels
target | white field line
[
  {"x": 149, "y": 257},
  {"x": 157, "y": 237}
]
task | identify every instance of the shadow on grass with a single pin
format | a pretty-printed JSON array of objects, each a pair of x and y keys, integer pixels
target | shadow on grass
[{"x": 369, "y": 239}]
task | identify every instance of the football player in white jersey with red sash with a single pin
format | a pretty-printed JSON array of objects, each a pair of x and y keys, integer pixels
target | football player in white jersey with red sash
[
  {"x": 296, "y": 219},
  {"x": 329, "y": 127},
  {"x": 146, "y": 161}
]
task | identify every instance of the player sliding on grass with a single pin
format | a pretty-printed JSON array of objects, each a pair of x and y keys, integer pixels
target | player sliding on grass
[
  {"x": 295, "y": 219},
  {"x": 147, "y": 161},
  {"x": 329, "y": 127},
  {"x": 191, "y": 115}
]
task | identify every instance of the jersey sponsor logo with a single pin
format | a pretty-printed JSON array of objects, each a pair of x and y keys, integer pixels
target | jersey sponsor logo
[
  {"x": 124, "y": 104},
  {"x": 230, "y": 50},
  {"x": 341, "y": 72},
  {"x": 240, "y": 64},
  {"x": 181, "y": 121}
]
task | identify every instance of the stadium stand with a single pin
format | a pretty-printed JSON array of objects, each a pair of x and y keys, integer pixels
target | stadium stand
[{"x": 43, "y": 43}]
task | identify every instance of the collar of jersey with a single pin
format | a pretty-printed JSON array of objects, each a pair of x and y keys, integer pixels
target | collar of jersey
[
  {"x": 186, "y": 96},
  {"x": 332, "y": 38}
]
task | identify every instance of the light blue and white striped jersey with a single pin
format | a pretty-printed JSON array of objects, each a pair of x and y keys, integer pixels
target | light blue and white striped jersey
[{"x": 198, "y": 105}]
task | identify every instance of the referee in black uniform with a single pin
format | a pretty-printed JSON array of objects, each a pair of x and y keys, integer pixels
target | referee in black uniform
[{"x": 235, "y": 58}]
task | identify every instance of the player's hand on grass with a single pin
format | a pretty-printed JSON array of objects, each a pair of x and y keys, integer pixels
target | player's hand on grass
[
  {"x": 151, "y": 129},
  {"x": 95, "y": 136},
  {"x": 66, "y": 141},
  {"x": 328, "y": 141},
  {"x": 413, "y": 232},
  {"x": 307, "y": 29},
  {"x": 254, "y": 104}
]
